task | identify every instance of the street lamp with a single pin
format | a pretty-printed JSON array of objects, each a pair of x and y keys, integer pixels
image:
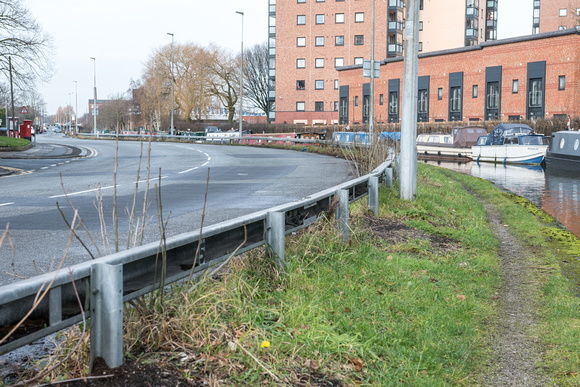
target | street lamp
[
  {"x": 70, "y": 115},
  {"x": 241, "y": 75},
  {"x": 172, "y": 81},
  {"x": 95, "y": 97},
  {"x": 76, "y": 108}
]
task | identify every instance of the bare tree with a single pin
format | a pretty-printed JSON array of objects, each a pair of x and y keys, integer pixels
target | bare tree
[
  {"x": 256, "y": 76},
  {"x": 24, "y": 41},
  {"x": 225, "y": 80},
  {"x": 115, "y": 112}
]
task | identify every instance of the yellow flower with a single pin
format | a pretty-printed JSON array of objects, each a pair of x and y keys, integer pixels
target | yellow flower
[{"x": 265, "y": 344}]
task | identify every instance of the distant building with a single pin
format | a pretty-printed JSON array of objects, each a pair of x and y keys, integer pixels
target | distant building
[
  {"x": 310, "y": 39},
  {"x": 100, "y": 102},
  {"x": 529, "y": 77},
  {"x": 553, "y": 15}
]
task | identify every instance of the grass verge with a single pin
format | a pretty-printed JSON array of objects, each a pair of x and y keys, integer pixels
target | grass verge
[
  {"x": 11, "y": 143},
  {"x": 409, "y": 300}
]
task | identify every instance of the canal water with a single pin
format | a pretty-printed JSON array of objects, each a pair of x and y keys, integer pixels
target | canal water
[{"x": 555, "y": 192}]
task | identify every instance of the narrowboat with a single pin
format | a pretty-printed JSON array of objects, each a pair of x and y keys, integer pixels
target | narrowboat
[{"x": 564, "y": 151}]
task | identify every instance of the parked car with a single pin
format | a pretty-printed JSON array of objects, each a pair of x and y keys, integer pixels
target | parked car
[{"x": 211, "y": 129}]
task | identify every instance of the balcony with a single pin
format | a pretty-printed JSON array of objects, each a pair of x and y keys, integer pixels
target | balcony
[
  {"x": 395, "y": 26},
  {"x": 396, "y": 4}
]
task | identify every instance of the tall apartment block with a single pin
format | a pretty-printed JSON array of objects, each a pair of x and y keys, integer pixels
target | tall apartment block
[
  {"x": 310, "y": 39},
  {"x": 552, "y": 15}
]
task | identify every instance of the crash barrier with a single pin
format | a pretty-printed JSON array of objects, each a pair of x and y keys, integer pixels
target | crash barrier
[
  {"x": 232, "y": 137},
  {"x": 51, "y": 302}
]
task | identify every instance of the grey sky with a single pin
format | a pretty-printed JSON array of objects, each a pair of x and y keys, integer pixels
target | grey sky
[{"x": 121, "y": 35}]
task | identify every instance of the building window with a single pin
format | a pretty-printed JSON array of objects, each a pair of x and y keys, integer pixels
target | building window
[
  {"x": 563, "y": 12},
  {"x": 455, "y": 101},
  {"x": 338, "y": 62},
  {"x": 319, "y": 84},
  {"x": 339, "y": 18},
  {"x": 493, "y": 96},
  {"x": 562, "y": 82},
  {"x": 381, "y": 99},
  {"x": 320, "y": 19},
  {"x": 300, "y": 63},
  {"x": 440, "y": 93},
  {"x": 358, "y": 60},
  {"x": 420, "y": 46},
  {"x": 300, "y": 85},
  {"x": 339, "y": 40},
  {"x": 359, "y": 40},
  {"x": 336, "y": 84},
  {"x": 335, "y": 106},
  {"x": 515, "y": 86},
  {"x": 393, "y": 102},
  {"x": 319, "y": 106},
  {"x": 301, "y": 20},
  {"x": 359, "y": 17},
  {"x": 320, "y": 1},
  {"x": 420, "y": 26},
  {"x": 319, "y": 41},
  {"x": 536, "y": 92},
  {"x": 319, "y": 63},
  {"x": 562, "y": 28},
  {"x": 356, "y": 100},
  {"x": 474, "y": 92},
  {"x": 422, "y": 101},
  {"x": 301, "y": 1},
  {"x": 300, "y": 106},
  {"x": 300, "y": 42}
]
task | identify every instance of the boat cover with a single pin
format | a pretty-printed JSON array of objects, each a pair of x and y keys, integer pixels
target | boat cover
[
  {"x": 465, "y": 137},
  {"x": 500, "y": 131}
]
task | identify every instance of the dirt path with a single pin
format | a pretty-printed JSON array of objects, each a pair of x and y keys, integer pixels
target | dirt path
[{"x": 516, "y": 352}]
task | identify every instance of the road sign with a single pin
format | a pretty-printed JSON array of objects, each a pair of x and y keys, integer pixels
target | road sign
[
  {"x": 23, "y": 110},
  {"x": 367, "y": 69}
]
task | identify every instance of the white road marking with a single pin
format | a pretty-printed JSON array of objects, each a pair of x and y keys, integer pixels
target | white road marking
[
  {"x": 82, "y": 192},
  {"x": 6, "y": 204}
]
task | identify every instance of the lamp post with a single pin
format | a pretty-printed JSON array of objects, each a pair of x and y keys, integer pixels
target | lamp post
[
  {"x": 172, "y": 81},
  {"x": 70, "y": 115},
  {"x": 76, "y": 108},
  {"x": 241, "y": 75},
  {"x": 95, "y": 97}
]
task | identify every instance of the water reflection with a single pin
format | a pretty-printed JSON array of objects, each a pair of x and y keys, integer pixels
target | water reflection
[{"x": 554, "y": 191}]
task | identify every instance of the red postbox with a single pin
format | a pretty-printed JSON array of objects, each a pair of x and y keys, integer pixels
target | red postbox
[{"x": 26, "y": 130}]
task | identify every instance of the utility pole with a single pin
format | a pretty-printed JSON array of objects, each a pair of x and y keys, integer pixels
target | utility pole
[
  {"x": 13, "y": 126},
  {"x": 372, "y": 107},
  {"x": 172, "y": 82},
  {"x": 408, "y": 156},
  {"x": 76, "y": 108},
  {"x": 95, "y": 97},
  {"x": 241, "y": 75}
]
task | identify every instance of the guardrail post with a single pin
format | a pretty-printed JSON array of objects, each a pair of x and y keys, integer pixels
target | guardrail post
[
  {"x": 389, "y": 177},
  {"x": 107, "y": 314},
  {"x": 373, "y": 190},
  {"x": 342, "y": 215},
  {"x": 275, "y": 236}
]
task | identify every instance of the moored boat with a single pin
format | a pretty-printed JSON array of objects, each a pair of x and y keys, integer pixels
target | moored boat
[
  {"x": 564, "y": 151},
  {"x": 511, "y": 144},
  {"x": 455, "y": 145}
]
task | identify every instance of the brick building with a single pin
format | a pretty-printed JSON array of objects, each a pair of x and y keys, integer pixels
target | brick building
[
  {"x": 527, "y": 77},
  {"x": 553, "y": 15},
  {"x": 310, "y": 39}
]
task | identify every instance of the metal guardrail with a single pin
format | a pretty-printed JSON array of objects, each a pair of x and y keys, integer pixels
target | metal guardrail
[{"x": 140, "y": 266}]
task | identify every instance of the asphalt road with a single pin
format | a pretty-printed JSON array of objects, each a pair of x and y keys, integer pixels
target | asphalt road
[{"x": 242, "y": 180}]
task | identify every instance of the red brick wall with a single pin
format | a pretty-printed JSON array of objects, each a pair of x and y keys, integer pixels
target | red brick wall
[
  {"x": 560, "y": 53},
  {"x": 550, "y": 19}
]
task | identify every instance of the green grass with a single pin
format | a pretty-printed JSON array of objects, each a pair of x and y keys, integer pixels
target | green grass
[
  {"x": 372, "y": 312},
  {"x": 11, "y": 142}
]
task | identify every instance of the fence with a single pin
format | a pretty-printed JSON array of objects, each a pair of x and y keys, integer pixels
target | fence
[{"x": 49, "y": 302}]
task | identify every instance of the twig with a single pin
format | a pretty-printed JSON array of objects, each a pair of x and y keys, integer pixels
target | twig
[
  {"x": 200, "y": 227},
  {"x": 142, "y": 232},
  {"x": 80, "y": 340},
  {"x": 42, "y": 291},
  {"x": 75, "y": 234},
  {"x": 80, "y": 219},
  {"x": 132, "y": 214},
  {"x": 260, "y": 364}
]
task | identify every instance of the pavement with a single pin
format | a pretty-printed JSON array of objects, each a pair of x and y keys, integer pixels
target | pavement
[{"x": 42, "y": 151}]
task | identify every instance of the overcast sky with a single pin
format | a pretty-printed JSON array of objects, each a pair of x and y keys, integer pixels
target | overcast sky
[{"x": 121, "y": 35}]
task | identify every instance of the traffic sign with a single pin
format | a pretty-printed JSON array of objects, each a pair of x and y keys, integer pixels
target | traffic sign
[{"x": 23, "y": 110}]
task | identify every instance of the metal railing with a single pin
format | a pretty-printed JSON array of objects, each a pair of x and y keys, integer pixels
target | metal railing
[{"x": 105, "y": 283}]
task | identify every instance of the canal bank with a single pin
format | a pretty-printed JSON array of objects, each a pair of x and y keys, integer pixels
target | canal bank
[{"x": 458, "y": 287}]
